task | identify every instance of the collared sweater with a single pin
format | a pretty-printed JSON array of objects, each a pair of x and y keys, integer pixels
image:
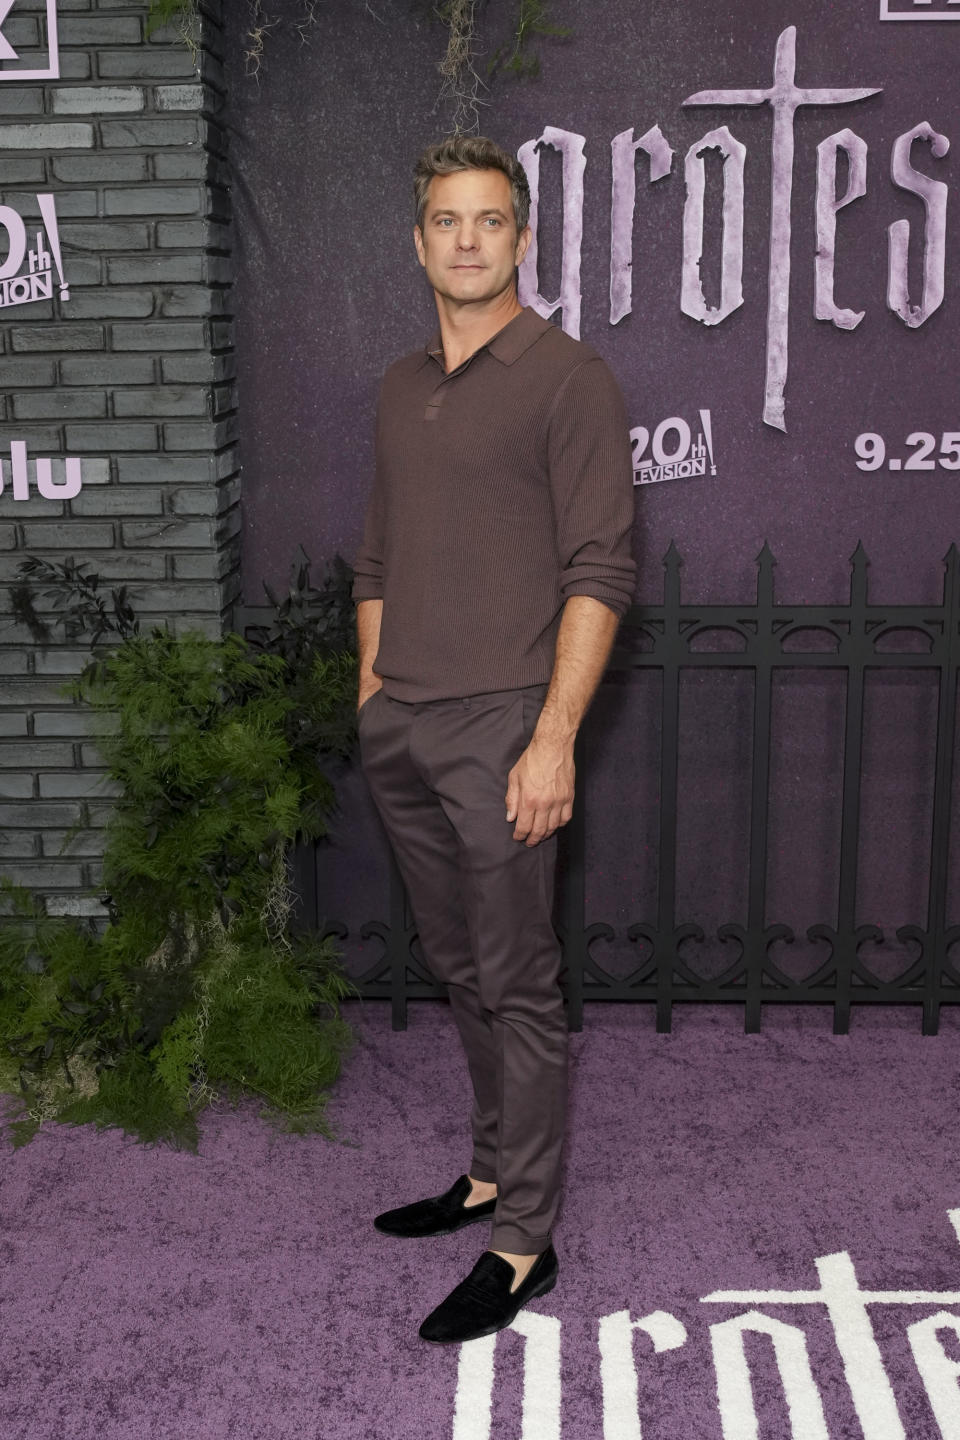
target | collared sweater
[{"x": 500, "y": 490}]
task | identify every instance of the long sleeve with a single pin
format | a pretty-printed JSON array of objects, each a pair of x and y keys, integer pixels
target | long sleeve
[{"x": 591, "y": 482}]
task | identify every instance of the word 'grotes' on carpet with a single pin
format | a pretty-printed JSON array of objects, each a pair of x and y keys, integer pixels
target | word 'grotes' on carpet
[{"x": 759, "y": 1237}]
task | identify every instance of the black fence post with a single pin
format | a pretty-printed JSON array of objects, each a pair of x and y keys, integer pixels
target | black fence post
[
  {"x": 847, "y": 937},
  {"x": 940, "y": 837},
  {"x": 666, "y": 942},
  {"x": 756, "y": 939}
]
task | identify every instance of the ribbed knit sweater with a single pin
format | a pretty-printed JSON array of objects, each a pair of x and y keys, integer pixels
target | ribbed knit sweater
[{"x": 500, "y": 489}]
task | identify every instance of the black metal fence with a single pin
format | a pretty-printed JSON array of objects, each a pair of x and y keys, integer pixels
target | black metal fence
[{"x": 769, "y": 636}]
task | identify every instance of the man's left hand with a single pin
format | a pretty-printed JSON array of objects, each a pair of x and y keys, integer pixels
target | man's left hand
[{"x": 540, "y": 789}]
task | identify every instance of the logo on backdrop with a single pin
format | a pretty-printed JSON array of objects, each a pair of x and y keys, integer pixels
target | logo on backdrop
[
  {"x": 49, "y": 488},
  {"x": 841, "y": 154},
  {"x": 51, "y": 71},
  {"x": 673, "y": 451},
  {"x": 919, "y": 10},
  {"x": 838, "y": 1295},
  {"x": 28, "y": 275}
]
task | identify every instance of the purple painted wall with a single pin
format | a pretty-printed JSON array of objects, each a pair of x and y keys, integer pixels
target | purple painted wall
[{"x": 330, "y": 291}]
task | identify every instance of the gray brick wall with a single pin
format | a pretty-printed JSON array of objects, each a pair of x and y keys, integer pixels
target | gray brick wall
[{"x": 133, "y": 373}]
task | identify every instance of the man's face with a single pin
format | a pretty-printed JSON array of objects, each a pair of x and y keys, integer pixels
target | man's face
[{"x": 469, "y": 245}]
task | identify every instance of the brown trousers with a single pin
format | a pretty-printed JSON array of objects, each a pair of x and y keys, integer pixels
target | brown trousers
[{"x": 482, "y": 902}]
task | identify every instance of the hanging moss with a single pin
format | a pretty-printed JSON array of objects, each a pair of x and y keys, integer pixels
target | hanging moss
[{"x": 460, "y": 80}]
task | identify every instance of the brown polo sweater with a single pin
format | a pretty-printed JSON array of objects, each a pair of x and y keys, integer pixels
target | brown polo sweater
[{"x": 500, "y": 489}]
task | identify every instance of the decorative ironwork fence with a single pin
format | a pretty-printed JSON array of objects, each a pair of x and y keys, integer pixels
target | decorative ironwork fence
[{"x": 770, "y": 636}]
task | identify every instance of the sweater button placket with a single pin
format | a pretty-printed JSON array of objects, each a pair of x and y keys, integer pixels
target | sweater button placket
[{"x": 434, "y": 403}]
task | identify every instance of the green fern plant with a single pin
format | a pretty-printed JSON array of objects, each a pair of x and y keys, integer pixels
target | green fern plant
[{"x": 198, "y": 989}]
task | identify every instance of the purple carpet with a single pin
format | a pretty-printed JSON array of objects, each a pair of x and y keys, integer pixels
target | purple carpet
[{"x": 780, "y": 1212}]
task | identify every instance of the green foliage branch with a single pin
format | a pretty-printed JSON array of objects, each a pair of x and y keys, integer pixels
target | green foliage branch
[
  {"x": 198, "y": 989},
  {"x": 518, "y": 58}
]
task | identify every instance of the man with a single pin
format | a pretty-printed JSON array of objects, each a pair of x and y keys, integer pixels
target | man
[{"x": 494, "y": 568}]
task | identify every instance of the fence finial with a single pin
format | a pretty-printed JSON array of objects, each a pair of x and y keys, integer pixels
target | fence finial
[
  {"x": 951, "y": 579},
  {"x": 859, "y": 561},
  {"x": 765, "y": 563},
  {"x": 672, "y": 562}
]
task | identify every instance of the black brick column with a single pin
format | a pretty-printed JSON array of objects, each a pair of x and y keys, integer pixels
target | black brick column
[{"x": 133, "y": 374}]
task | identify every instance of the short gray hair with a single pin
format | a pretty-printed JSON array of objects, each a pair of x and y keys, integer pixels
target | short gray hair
[{"x": 471, "y": 152}]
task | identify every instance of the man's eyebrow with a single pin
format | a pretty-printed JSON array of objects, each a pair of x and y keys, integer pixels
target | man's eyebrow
[{"x": 491, "y": 210}]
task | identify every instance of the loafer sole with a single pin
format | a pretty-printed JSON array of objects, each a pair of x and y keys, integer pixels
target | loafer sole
[
  {"x": 543, "y": 1287},
  {"x": 444, "y": 1230}
]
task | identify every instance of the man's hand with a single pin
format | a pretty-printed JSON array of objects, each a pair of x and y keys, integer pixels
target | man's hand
[
  {"x": 365, "y": 693},
  {"x": 540, "y": 785},
  {"x": 540, "y": 789}
]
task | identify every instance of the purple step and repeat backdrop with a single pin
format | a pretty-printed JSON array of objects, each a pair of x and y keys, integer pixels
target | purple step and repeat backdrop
[{"x": 748, "y": 211}]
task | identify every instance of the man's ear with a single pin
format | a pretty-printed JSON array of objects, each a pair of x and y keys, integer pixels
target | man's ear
[
  {"x": 523, "y": 243},
  {"x": 418, "y": 242}
]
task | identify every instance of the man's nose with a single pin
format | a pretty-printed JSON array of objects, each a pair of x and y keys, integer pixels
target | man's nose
[{"x": 467, "y": 238}]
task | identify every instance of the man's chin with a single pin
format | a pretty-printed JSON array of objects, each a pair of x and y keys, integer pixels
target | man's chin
[
  {"x": 469, "y": 285},
  {"x": 469, "y": 280}
]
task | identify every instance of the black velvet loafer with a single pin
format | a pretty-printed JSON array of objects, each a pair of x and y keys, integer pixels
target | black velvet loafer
[
  {"x": 482, "y": 1303},
  {"x": 438, "y": 1215}
]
